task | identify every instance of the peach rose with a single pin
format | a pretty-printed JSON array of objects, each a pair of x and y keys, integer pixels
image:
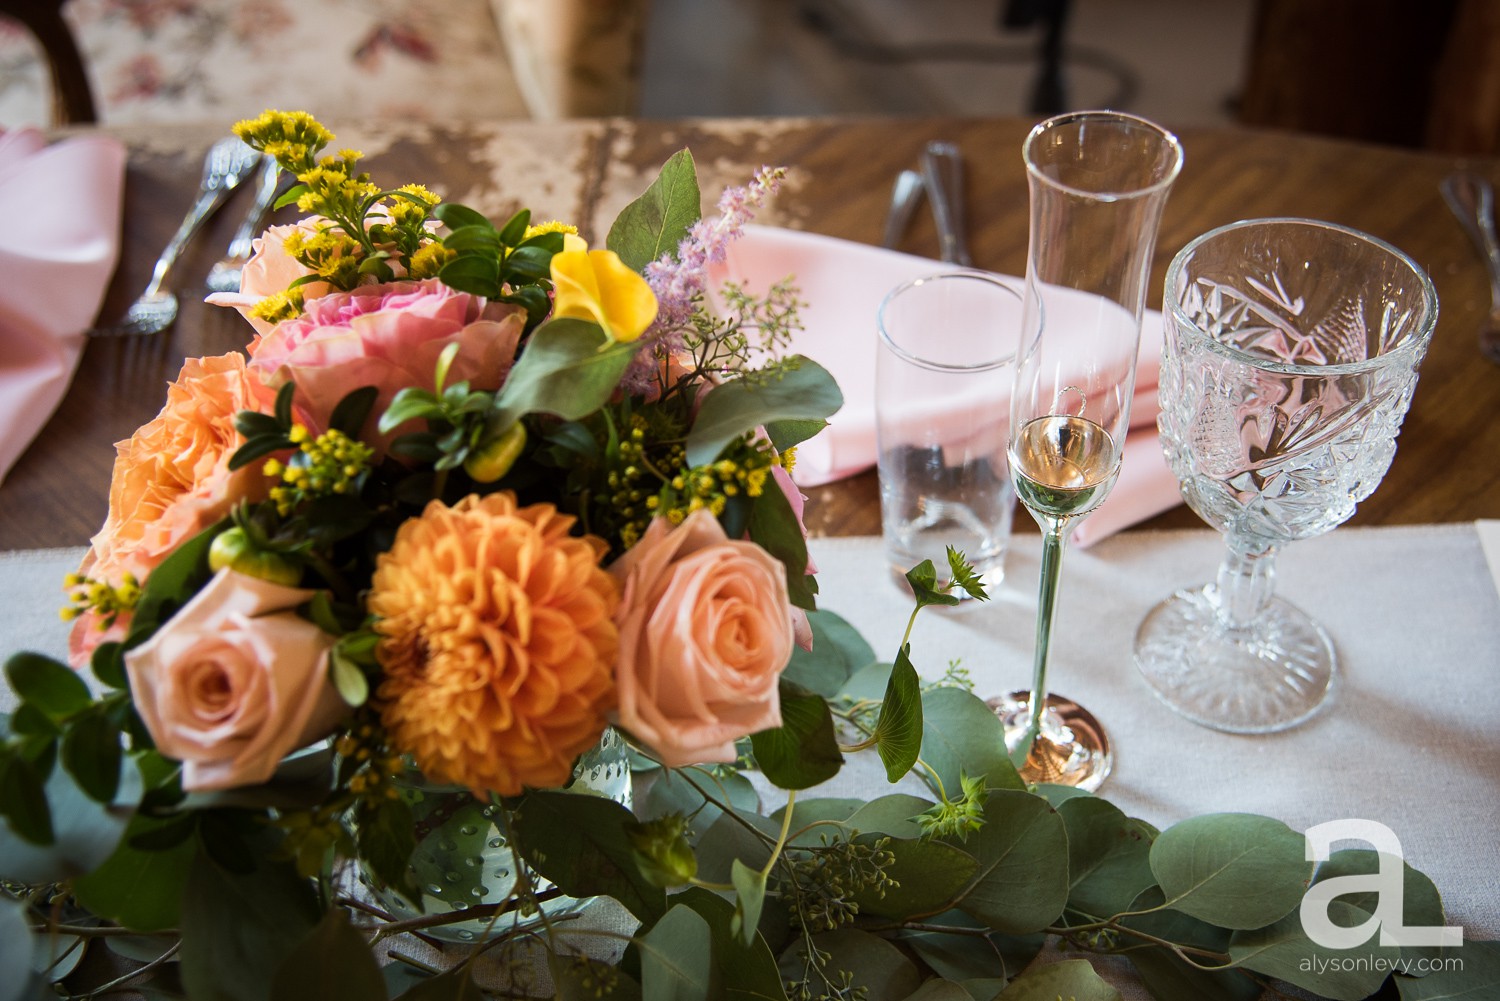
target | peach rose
[
  {"x": 234, "y": 682},
  {"x": 388, "y": 336},
  {"x": 171, "y": 480},
  {"x": 271, "y": 269},
  {"x": 705, "y": 632}
]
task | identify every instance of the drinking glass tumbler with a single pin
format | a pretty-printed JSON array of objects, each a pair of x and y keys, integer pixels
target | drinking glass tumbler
[{"x": 943, "y": 376}]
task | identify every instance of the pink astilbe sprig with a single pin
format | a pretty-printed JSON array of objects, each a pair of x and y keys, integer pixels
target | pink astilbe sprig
[{"x": 680, "y": 282}]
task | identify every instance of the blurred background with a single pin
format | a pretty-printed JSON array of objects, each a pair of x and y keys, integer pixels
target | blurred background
[{"x": 1389, "y": 71}]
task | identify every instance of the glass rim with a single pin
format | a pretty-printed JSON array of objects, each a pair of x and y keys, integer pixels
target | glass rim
[
  {"x": 987, "y": 277},
  {"x": 1412, "y": 343},
  {"x": 1167, "y": 137}
]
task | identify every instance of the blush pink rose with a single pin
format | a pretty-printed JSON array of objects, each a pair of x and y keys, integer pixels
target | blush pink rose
[
  {"x": 271, "y": 269},
  {"x": 234, "y": 682},
  {"x": 705, "y": 632},
  {"x": 388, "y": 336}
]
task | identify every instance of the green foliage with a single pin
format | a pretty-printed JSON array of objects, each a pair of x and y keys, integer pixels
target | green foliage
[
  {"x": 655, "y": 223},
  {"x": 898, "y": 730},
  {"x": 1234, "y": 870},
  {"x": 800, "y": 390},
  {"x": 803, "y": 751}
]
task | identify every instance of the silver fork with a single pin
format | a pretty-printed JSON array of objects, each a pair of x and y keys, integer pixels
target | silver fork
[
  {"x": 943, "y": 174},
  {"x": 229, "y": 162},
  {"x": 224, "y": 276}
]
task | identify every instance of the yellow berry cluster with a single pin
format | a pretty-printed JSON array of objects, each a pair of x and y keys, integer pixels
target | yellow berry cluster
[
  {"x": 108, "y": 600},
  {"x": 713, "y": 485},
  {"x": 329, "y": 464},
  {"x": 365, "y": 746}
]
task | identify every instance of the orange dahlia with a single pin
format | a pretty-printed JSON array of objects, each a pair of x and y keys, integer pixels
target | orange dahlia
[{"x": 497, "y": 643}]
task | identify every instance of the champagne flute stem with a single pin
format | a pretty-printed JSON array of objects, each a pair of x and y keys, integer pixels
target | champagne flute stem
[{"x": 1053, "y": 542}]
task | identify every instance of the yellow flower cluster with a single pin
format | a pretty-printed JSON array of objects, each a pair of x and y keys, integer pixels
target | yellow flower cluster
[
  {"x": 329, "y": 464},
  {"x": 108, "y": 600},
  {"x": 279, "y": 306},
  {"x": 332, "y": 254},
  {"x": 287, "y": 136}
]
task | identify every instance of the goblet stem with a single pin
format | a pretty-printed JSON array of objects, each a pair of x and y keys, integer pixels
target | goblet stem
[
  {"x": 1053, "y": 543},
  {"x": 1245, "y": 585}
]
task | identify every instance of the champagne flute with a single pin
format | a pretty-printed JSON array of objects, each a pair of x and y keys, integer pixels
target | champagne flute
[{"x": 1099, "y": 181}]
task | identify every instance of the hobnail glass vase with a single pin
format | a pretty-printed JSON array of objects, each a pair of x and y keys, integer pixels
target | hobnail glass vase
[{"x": 462, "y": 860}]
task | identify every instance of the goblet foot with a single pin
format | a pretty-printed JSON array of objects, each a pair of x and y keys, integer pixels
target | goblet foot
[
  {"x": 1269, "y": 676},
  {"x": 1072, "y": 748}
]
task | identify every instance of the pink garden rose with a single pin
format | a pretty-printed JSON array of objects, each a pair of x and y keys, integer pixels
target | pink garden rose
[
  {"x": 388, "y": 336},
  {"x": 234, "y": 682},
  {"x": 705, "y": 632},
  {"x": 271, "y": 269}
]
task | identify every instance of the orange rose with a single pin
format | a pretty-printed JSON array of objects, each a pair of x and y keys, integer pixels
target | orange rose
[
  {"x": 171, "y": 481},
  {"x": 705, "y": 632}
]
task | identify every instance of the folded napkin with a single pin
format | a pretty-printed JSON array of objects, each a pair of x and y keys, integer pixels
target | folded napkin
[
  {"x": 843, "y": 284},
  {"x": 61, "y": 204}
]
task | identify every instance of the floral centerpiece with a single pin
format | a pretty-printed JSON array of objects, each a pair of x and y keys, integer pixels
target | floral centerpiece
[{"x": 476, "y": 500}]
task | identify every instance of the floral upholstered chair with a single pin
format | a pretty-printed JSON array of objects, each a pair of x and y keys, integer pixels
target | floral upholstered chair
[{"x": 184, "y": 60}]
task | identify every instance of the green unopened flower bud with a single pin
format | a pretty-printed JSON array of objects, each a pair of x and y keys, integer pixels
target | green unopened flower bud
[
  {"x": 662, "y": 852},
  {"x": 234, "y": 549},
  {"x": 493, "y": 459}
]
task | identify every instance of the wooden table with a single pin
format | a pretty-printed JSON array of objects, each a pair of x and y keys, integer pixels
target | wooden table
[{"x": 1447, "y": 467}]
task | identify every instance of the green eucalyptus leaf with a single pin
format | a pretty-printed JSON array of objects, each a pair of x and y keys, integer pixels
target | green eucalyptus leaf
[
  {"x": 573, "y": 980},
  {"x": 1421, "y": 904},
  {"x": 570, "y": 368},
  {"x": 677, "y": 958},
  {"x": 23, "y": 804},
  {"x": 456, "y": 984},
  {"x": 655, "y": 223},
  {"x": 240, "y": 925},
  {"x": 1070, "y": 978},
  {"x": 730, "y": 410},
  {"x": 939, "y": 990},
  {"x": 803, "y": 751},
  {"x": 1021, "y": 884},
  {"x": 1109, "y": 857},
  {"x": 332, "y": 961},
  {"x": 791, "y": 433},
  {"x": 1473, "y": 974},
  {"x": 47, "y": 684},
  {"x": 727, "y": 841},
  {"x": 817, "y": 813},
  {"x": 928, "y": 877},
  {"x": 969, "y": 957},
  {"x": 1284, "y": 951},
  {"x": 898, "y": 730},
  {"x": 1235, "y": 870},
  {"x": 893, "y": 814},
  {"x": 962, "y": 734},
  {"x": 747, "y": 973},
  {"x": 868, "y": 684},
  {"x": 386, "y": 842},
  {"x": 671, "y": 792},
  {"x": 749, "y": 898},
  {"x": 838, "y": 651},
  {"x": 91, "y": 751},
  {"x": 581, "y": 844},
  {"x": 878, "y": 967},
  {"x": 773, "y": 525},
  {"x": 1169, "y": 976},
  {"x": 1174, "y": 926}
]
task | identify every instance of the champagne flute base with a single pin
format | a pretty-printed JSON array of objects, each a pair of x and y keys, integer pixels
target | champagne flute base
[
  {"x": 1269, "y": 676},
  {"x": 1072, "y": 748}
]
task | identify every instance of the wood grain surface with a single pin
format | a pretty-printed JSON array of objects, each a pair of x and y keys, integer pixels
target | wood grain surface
[{"x": 1447, "y": 465}]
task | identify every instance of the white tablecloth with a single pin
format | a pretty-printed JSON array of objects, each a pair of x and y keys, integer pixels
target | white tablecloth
[{"x": 1411, "y": 740}]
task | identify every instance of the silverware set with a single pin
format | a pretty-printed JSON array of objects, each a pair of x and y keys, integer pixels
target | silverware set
[
  {"x": 229, "y": 162},
  {"x": 941, "y": 180}
]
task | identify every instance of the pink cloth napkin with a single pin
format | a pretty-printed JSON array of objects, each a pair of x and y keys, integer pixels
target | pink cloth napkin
[
  {"x": 843, "y": 284},
  {"x": 61, "y": 205}
]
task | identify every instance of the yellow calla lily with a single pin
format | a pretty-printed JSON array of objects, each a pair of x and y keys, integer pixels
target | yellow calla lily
[{"x": 596, "y": 285}]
